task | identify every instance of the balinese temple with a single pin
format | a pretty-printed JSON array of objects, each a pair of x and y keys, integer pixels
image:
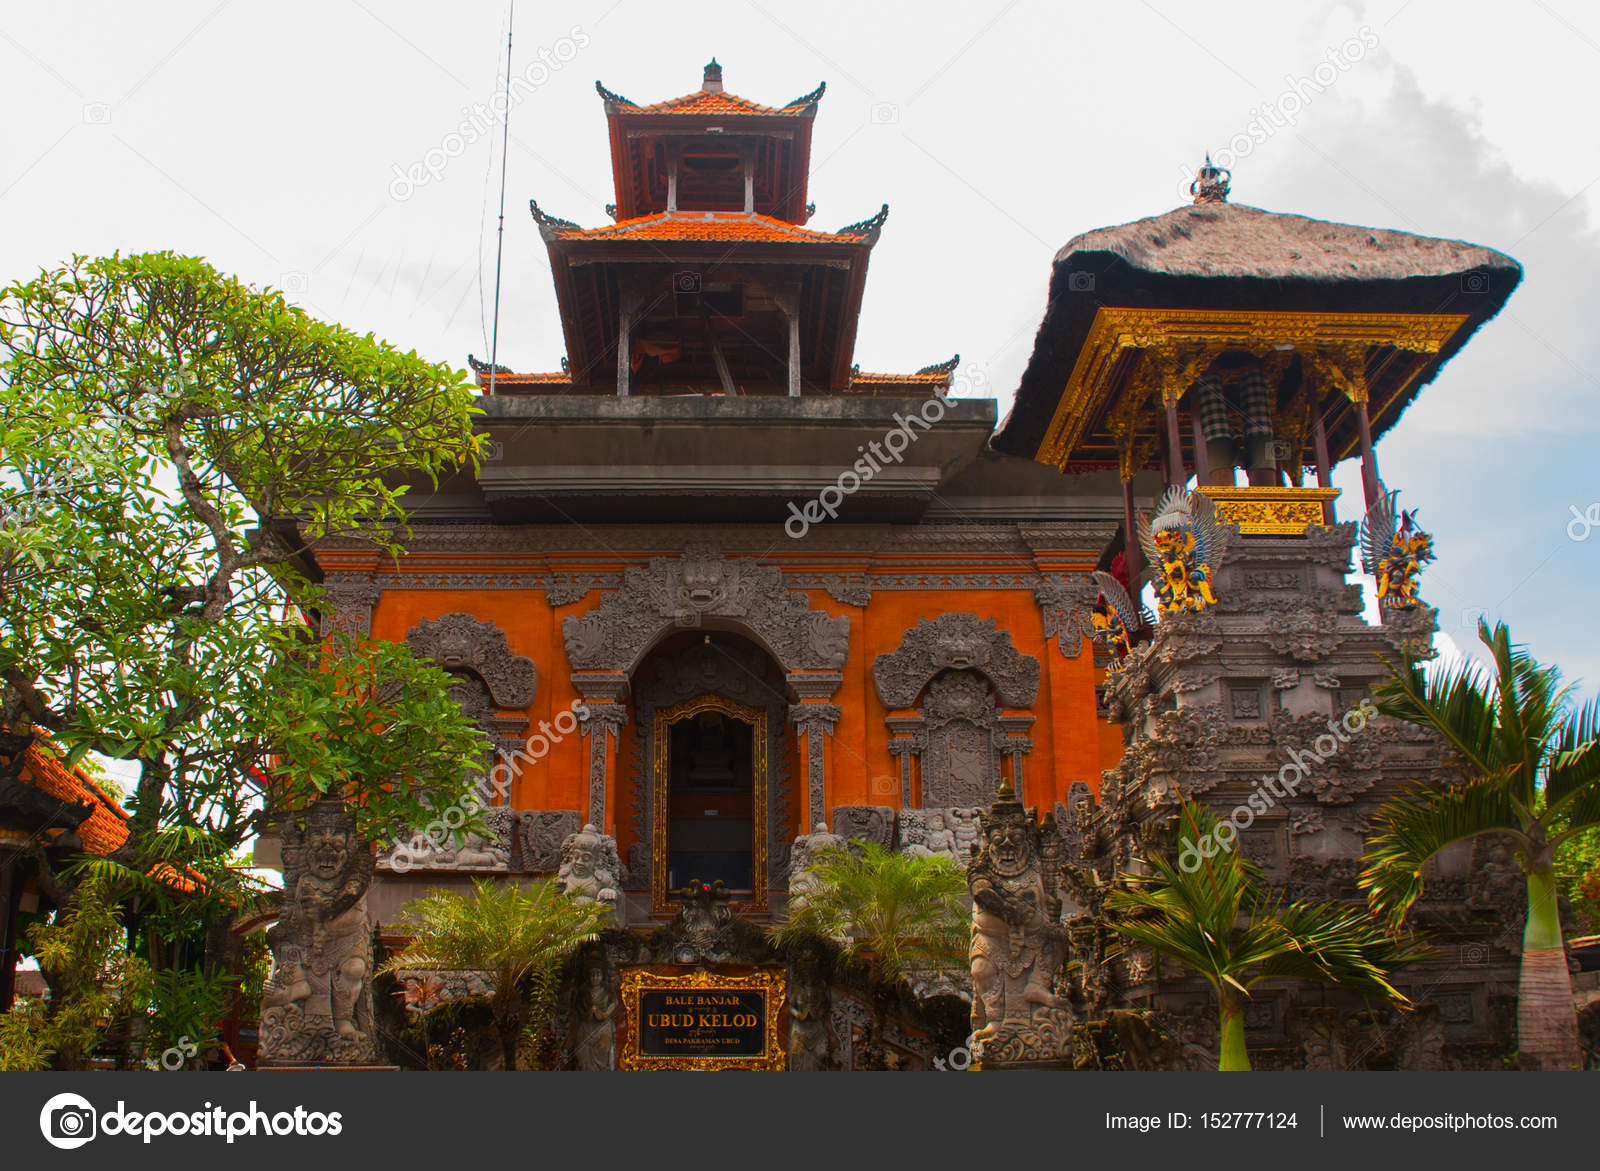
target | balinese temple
[{"x": 719, "y": 596}]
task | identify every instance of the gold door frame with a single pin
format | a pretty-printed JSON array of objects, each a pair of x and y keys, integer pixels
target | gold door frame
[{"x": 661, "y": 769}]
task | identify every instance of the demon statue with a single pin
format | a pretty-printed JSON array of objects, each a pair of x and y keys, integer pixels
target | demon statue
[
  {"x": 317, "y": 1003},
  {"x": 1017, "y": 940},
  {"x": 1393, "y": 553},
  {"x": 1184, "y": 546}
]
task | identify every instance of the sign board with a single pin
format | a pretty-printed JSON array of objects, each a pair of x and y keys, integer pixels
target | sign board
[{"x": 701, "y": 1019}]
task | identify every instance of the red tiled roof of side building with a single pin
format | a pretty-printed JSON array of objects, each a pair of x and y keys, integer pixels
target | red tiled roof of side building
[
  {"x": 708, "y": 102},
  {"x": 716, "y": 226},
  {"x": 105, "y": 829}
]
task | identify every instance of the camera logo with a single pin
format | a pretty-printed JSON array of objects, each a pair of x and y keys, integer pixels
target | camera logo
[
  {"x": 1080, "y": 282},
  {"x": 1476, "y": 281},
  {"x": 686, "y": 282},
  {"x": 67, "y": 1121}
]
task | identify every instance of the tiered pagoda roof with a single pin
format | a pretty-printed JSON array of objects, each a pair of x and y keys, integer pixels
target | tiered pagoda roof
[{"x": 709, "y": 279}]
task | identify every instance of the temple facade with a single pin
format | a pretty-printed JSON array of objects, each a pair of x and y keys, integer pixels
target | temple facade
[{"x": 718, "y": 596}]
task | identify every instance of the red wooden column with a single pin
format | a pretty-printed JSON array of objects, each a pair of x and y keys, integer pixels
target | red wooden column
[
  {"x": 1175, "y": 472},
  {"x": 1319, "y": 444},
  {"x": 1130, "y": 543},
  {"x": 1369, "y": 458}
]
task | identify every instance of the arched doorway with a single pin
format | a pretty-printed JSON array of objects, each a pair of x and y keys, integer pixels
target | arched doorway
[{"x": 710, "y": 794}]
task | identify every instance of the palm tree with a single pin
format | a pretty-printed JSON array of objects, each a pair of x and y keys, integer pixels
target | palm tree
[
  {"x": 896, "y": 914},
  {"x": 1217, "y": 919},
  {"x": 510, "y": 934},
  {"x": 1531, "y": 772}
]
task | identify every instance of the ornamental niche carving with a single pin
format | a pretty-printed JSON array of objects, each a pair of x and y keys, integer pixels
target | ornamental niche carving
[
  {"x": 317, "y": 1004},
  {"x": 1066, "y": 607},
  {"x": 865, "y": 823},
  {"x": 461, "y": 644},
  {"x": 962, "y": 742},
  {"x": 678, "y": 592},
  {"x": 955, "y": 641}
]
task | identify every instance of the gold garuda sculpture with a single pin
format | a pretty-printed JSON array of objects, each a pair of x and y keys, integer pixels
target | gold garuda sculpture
[
  {"x": 1394, "y": 553},
  {"x": 1184, "y": 546}
]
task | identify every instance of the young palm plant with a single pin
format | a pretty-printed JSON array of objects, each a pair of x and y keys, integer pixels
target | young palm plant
[
  {"x": 895, "y": 914},
  {"x": 1531, "y": 772},
  {"x": 1217, "y": 919},
  {"x": 514, "y": 936}
]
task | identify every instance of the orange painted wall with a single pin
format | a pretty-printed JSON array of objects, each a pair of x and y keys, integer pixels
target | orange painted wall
[{"x": 1069, "y": 742}]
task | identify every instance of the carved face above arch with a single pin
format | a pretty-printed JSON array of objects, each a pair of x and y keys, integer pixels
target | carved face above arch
[{"x": 703, "y": 588}]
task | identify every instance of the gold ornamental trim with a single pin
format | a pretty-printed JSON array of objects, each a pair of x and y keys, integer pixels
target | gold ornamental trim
[
  {"x": 661, "y": 776},
  {"x": 1174, "y": 336},
  {"x": 772, "y": 984},
  {"x": 1271, "y": 512}
]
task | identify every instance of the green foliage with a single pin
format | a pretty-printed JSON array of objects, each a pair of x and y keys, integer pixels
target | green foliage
[
  {"x": 1578, "y": 875},
  {"x": 175, "y": 447},
  {"x": 900, "y": 914},
  {"x": 1530, "y": 764},
  {"x": 1219, "y": 919},
  {"x": 96, "y": 987},
  {"x": 519, "y": 938},
  {"x": 185, "y": 1007},
  {"x": 22, "y": 1037}
]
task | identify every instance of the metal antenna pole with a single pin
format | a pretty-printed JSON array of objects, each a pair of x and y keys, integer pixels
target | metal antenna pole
[{"x": 500, "y": 233}]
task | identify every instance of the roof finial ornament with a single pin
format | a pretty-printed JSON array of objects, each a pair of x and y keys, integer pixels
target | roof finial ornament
[
  {"x": 713, "y": 80},
  {"x": 1211, "y": 186}
]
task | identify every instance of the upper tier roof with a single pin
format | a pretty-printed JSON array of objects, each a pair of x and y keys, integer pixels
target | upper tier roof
[
  {"x": 1233, "y": 240},
  {"x": 715, "y": 226}
]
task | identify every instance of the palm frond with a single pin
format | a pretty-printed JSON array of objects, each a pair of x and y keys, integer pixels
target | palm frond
[
  {"x": 1421, "y": 823},
  {"x": 1457, "y": 702},
  {"x": 1572, "y": 782}
]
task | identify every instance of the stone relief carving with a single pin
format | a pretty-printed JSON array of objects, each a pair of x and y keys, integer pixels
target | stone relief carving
[
  {"x": 1066, "y": 606},
  {"x": 808, "y": 1018},
  {"x": 460, "y": 643},
  {"x": 955, "y": 641},
  {"x": 865, "y": 823},
  {"x": 684, "y": 591},
  {"x": 350, "y": 606},
  {"x": 543, "y": 833},
  {"x": 487, "y": 851},
  {"x": 317, "y": 1005},
  {"x": 944, "y": 833},
  {"x": 1017, "y": 942}
]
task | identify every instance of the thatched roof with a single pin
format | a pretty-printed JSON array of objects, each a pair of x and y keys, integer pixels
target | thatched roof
[
  {"x": 1227, "y": 256},
  {"x": 1232, "y": 240}
]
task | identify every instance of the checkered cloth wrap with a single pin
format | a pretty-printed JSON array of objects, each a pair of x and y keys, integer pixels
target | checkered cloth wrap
[
  {"x": 1255, "y": 402},
  {"x": 1213, "y": 408}
]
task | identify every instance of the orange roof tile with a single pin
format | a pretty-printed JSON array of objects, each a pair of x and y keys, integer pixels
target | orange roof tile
[
  {"x": 715, "y": 102},
  {"x": 505, "y": 379},
  {"x": 727, "y": 226},
  {"x": 105, "y": 829}
]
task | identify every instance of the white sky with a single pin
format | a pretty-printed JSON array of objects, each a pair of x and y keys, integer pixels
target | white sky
[{"x": 267, "y": 138}]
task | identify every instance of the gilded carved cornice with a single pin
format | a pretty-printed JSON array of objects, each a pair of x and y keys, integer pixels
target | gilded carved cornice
[{"x": 1178, "y": 343}]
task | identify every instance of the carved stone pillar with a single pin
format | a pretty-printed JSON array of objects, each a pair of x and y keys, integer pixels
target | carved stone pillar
[
  {"x": 350, "y": 606},
  {"x": 1016, "y": 745},
  {"x": 815, "y": 721},
  {"x": 601, "y": 727}
]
